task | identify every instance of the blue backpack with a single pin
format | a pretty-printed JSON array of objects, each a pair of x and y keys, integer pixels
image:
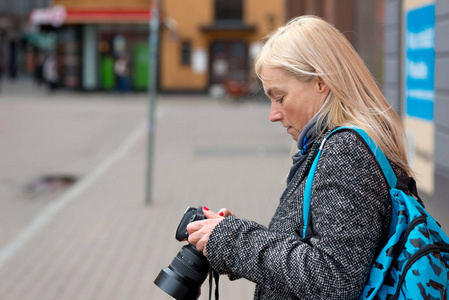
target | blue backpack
[{"x": 414, "y": 262}]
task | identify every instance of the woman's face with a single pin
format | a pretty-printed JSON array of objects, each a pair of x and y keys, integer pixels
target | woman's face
[{"x": 293, "y": 102}]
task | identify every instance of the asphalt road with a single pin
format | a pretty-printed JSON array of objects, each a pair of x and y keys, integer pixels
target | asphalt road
[{"x": 74, "y": 223}]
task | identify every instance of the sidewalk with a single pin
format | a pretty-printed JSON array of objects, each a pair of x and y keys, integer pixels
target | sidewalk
[{"x": 98, "y": 240}]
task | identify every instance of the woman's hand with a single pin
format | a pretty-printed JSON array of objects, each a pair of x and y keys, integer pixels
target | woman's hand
[{"x": 200, "y": 231}]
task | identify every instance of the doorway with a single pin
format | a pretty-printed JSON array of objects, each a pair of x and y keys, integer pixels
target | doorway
[{"x": 229, "y": 61}]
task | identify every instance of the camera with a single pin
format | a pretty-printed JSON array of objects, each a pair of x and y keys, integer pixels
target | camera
[{"x": 183, "y": 278}]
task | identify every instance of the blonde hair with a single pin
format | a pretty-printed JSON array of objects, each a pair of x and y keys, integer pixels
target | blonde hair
[{"x": 308, "y": 47}]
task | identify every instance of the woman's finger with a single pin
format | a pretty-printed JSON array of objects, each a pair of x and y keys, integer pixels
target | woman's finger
[
  {"x": 210, "y": 214},
  {"x": 192, "y": 227},
  {"x": 200, "y": 231},
  {"x": 224, "y": 212}
]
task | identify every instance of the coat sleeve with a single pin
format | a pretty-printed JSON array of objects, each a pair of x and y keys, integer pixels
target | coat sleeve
[{"x": 350, "y": 211}]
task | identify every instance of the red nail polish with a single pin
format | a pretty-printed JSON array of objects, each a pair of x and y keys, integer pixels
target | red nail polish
[
  {"x": 205, "y": 208},
  {"x": 221, "y": 214}
]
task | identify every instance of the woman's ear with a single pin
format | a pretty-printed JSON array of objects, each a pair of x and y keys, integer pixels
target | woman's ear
[{"x": 322, "y": 86}]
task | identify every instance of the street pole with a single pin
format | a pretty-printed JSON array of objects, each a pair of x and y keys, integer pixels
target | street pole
[{"x": 153, "y": 54}]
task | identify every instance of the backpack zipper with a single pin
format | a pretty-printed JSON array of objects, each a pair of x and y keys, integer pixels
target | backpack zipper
[{"x": 418, "y": 254}]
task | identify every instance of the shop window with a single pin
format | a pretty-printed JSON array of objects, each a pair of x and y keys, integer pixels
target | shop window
[
  {"x": 229, "y": 10},
  {"x": 118, "y": 43},
  {"x": 68, "y": 56},
  {"x": 186, "y": 50}
]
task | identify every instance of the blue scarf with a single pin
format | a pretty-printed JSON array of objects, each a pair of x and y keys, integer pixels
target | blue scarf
[{"x": 307, "y": 138}]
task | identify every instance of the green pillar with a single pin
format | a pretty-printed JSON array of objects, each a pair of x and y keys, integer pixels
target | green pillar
[{"x": 89, "y": 58}]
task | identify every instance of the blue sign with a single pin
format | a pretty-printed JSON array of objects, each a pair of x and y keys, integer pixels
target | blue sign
[{"x": 420, "y": 62}]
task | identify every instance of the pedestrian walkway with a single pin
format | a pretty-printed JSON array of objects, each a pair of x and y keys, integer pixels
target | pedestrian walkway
[{"x": 99, "y": 240}]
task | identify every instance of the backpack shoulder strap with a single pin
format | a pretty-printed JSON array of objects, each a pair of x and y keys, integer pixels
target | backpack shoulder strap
[{"x": 382, "y": 160}]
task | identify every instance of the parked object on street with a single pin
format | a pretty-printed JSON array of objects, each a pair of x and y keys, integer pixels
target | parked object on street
[
  {"x": 235, "y": 88},
  {"x": 50, "y": 183},
  {"x": 50, "y": 72},
  {"x": 122, "y": 72}
]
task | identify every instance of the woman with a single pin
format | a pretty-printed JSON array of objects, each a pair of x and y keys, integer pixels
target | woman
[{"x": 316, "y": 82}]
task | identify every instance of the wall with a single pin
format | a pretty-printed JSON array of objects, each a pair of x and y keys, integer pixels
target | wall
[
  {"x": 368, "y": 37},
  {"x": 267, "y": 15},
  {"x": 13, "y": 24},
  {"x": 428, "y": 139},
  {"x": 420, "y": 129},
  {"x": 20, "y": 7},
  {"x": 184, "y": 20},
  {"x": 339, "y": 13},
  {"x": 392, "y": 54},
  {"x": 441, "y": 201}
]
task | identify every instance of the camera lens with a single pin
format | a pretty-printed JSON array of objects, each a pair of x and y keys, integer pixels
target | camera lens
[{"x": 182, "y": 279}]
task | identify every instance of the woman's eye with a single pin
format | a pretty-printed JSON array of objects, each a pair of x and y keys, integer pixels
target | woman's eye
[{"x": 280, "y": 100}]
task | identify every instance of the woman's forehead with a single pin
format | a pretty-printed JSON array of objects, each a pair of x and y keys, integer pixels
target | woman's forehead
[{"x": 272, "y": 74}]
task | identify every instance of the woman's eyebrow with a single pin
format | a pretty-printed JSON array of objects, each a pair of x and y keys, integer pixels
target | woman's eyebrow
[{"x": 271, "y": 92}]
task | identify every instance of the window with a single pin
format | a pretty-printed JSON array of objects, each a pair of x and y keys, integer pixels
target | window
[
  {"x": 228, "y": 10},
  {"x": 186, "y": 49}
]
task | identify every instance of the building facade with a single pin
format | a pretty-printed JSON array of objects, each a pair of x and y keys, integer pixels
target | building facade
[
  {"x": 360, "y": 21},
  {"x": 203, "y": 43},
  {"x": 441, "y": 109},
  {"x": 13, "y": 22},
  {"x": 416, "y": 85},
  {"x": 207, "y": 43},
  {"x": 100, "y": 45},
  {"x": 224, "y": 36}
]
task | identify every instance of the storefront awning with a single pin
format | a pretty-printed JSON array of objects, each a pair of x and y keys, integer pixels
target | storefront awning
[
  {"x": 40, "y": 40},
  {"x": 58, "y": 15}
]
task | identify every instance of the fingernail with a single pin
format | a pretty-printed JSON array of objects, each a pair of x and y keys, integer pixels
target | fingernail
[
  {"x": 221, "y": 214},
  {"x": 205, "y": 208}
]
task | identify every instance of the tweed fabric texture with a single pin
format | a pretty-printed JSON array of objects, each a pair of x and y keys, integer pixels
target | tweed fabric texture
[{"x": 350, "y": 211}]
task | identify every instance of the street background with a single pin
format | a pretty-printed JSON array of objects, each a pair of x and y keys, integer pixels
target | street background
[
  {"x": 96, "y": 238},
  {"x": 73, "y": 218}
]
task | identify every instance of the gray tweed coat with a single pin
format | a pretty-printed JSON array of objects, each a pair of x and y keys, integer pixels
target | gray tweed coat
[{"x": 350, "y": 210}]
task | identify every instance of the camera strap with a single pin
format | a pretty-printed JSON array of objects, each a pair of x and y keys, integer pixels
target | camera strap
[{"x": 213, "y": 275}]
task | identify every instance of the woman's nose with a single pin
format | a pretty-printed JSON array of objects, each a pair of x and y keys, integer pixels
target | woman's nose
[{"x": 275, "y": 114}]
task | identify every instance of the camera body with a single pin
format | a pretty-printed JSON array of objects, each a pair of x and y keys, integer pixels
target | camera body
[
  {"x": 183, "y": 278},
  {"x": 191, "y": 214}
]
